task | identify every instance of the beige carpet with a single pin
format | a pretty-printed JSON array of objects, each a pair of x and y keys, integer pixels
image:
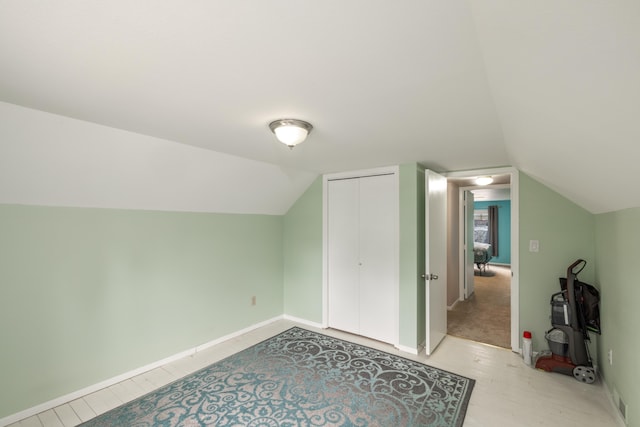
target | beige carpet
[{"x": 486, "y": 316}]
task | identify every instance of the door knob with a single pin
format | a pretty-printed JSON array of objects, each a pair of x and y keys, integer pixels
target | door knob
[{"x": 430, "y": 276}]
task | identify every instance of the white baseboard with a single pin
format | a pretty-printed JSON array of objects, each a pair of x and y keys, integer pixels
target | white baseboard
[
  {"x": 316, "y": 325},
  {"x": 407, "y": 349},
  {"x": 303, "y": 321},
  {"x": 127, "y": 375},
  {"x": 411, "y": 350},
  {"x": 236, "y": 334},
  {"x": 453, "y": 305}
]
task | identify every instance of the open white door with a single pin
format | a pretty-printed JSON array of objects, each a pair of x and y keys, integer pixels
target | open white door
[
  {"x": 468, "y": 245},
  {"x": 436, "y": 259}
]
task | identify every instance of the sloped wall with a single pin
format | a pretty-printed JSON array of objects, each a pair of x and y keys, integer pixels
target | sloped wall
[
  {"x": 565, "y": 232},
  {"x": 53, "y": 160}
]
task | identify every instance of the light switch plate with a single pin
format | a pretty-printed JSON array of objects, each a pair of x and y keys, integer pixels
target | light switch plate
[{"x": 534, "y": 245}]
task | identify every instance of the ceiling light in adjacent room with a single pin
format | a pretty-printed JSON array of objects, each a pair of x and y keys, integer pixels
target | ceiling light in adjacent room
[
  {"x": 484, "y": 180},
  {"x": 290, "y": 132}
]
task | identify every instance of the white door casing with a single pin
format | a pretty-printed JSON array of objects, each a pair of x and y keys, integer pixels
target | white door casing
[
  {"x": 468, "y": 247},
  {"x": 515, "y": 242}
]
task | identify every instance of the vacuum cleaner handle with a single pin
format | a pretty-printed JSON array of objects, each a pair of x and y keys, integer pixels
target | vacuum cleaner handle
[{"x": 578, "y": 263}]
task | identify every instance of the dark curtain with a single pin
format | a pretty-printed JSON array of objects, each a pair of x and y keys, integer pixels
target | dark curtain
[{"x": 493, "y": 229}]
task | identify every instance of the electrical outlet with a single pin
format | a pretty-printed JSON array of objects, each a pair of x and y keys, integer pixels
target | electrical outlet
[
  {"x": 610, "y": 356},
  {"x": 253, "y": 300}
]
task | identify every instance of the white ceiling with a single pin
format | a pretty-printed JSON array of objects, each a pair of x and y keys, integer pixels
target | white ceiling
[{"x": 551, "y": 88}]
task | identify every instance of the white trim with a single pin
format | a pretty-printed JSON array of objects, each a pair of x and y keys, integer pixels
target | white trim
[
  {"x": 411, "y": 350},
  {"x": 452, "y": 306},
  {"x": 462, "y": 258},
  {"x": 237, "y": 333},
  {"x": 325, "y": 254},
  {"x": 462, "y": 261},
  {"x": 304, "y": 322},
  {"x": 387, "y": 170},
  {"x": 407, "y": 349},
  {"x": 515, "y": 258},
  {"x": 475, "y": 172},
  {"x": 125, "y": 376},
  {"x": 362, "y": 173}
]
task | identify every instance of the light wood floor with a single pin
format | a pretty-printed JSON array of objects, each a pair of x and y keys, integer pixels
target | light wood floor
[{"x": 507, "y": 392}]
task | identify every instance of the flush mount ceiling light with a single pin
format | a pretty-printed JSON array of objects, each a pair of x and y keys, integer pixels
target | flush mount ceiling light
[
  {"x": 290, "y": 132},
  {"x": 484, "y": 180}
]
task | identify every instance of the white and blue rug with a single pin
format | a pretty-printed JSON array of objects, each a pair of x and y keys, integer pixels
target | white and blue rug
[{"x": 302, "y": 378}]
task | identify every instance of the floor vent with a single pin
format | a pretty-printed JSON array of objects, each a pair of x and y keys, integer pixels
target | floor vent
[{"x": 623, "y": 409}]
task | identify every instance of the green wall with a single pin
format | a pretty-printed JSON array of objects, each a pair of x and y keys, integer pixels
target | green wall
[
  {"x": 566, "y": 232},
  {"x": 303, "y": 256},
  {"x": 609, "y": 243},
  {"x": 412, "y": 260},
  {"x": 617, "y": 254},
  {"x": 88, "y": 294}
]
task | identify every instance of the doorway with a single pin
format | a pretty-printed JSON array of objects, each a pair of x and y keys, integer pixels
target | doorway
[
  {"x": 485, "y": 316},
  {"x": 483, "y": 297}
]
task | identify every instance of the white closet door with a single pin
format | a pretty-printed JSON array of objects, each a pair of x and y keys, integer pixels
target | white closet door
[
  {"x": 377, "y": 225},
  {"x": 342, "y": 261}
]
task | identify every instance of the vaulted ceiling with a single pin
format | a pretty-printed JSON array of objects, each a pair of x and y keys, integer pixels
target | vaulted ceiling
[{"x": 165, "y": 104}]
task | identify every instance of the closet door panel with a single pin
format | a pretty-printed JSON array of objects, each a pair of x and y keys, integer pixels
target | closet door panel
[
  {"x": 343, "y": 292},
  {"x": 377, "y": 225}
]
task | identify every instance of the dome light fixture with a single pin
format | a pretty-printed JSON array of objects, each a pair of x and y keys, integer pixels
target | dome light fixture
[
  {"x": 290, "y": 132},
  {"x": 484, "y": 180}
]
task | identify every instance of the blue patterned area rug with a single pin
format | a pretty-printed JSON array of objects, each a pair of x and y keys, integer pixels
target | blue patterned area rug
[{"x": 302, "y": 378}]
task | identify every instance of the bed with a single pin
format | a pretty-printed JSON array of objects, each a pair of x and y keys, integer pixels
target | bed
[{"x": 482, "y": 254}]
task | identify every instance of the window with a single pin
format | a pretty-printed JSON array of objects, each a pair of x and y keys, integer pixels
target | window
[{"x": 481, "y": 225}]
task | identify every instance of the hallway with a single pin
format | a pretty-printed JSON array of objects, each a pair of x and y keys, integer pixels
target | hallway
[{"x": 485, "y": 316}]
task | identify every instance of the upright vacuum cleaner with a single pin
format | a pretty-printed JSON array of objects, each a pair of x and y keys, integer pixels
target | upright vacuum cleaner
[{"x": 574, "y": 312}]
